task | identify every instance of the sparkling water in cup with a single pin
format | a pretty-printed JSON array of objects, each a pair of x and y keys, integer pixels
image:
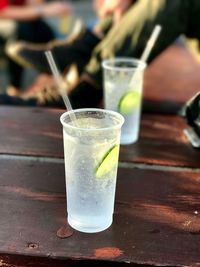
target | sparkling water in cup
[
  {"x": 123, "y": 87},
  {"x": 91, "y": 149}
]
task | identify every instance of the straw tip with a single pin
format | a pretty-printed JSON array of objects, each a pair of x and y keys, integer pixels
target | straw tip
[
  {"x": 47, "y": 52},
  {"x": 158, "y": 27}
]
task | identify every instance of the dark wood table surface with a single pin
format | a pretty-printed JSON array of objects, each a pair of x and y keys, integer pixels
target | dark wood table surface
[{"x": 157, "y": 210}]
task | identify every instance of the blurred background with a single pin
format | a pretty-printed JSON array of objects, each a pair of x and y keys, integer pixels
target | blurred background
[{"x": 61, "y": 25}]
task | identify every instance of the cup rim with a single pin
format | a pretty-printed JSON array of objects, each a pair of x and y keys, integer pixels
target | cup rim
[
  {"x": 141, "y": 65},
  {"x": 118, "y": 125}
]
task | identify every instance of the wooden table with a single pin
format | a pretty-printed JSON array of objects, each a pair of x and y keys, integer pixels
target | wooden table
[{"x": 157, "y": 211}]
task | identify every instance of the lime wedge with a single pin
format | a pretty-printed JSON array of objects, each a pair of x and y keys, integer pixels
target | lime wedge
[
  {"x": 129, "y": 101},
  {"x": 108, "y": 162}
]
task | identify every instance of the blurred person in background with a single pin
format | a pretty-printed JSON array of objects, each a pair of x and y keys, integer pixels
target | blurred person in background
[
  {"x": 24, "y": 20},
  {"x": 76, "y": 48},
  {"x": 73, "y": 53}
]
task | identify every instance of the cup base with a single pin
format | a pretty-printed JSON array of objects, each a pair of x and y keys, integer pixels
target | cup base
[
  {"x": 81, "y": 227},
  {"x": 127, "y": 140}
]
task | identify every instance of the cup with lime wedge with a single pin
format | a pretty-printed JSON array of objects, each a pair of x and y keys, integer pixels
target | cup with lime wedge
[
  {"x": 123, "y": 86},
  {"x": 91, "y": 150}
]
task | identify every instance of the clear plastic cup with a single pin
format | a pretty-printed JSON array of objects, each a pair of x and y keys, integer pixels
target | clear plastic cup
[
  {"x": 123, "y": 93},
  {"x": 91, "y": 150}
]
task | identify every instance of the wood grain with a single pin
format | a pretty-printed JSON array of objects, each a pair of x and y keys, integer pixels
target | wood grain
[
  {"x": 38, "y": 132},
  {"x": 156, "y": 220}
]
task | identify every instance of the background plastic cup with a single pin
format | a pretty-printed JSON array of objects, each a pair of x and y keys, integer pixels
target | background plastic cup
[
  {"x": 123, "y": 88},
  {"x": 91, "y": 149}
]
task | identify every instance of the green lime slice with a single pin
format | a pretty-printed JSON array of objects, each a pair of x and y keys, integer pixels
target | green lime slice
[
  {"x": 108, "y": 162},
  {"x": 129, "y": 101}
]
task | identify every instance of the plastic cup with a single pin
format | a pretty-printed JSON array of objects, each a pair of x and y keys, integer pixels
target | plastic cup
[
  {"x": 91, "y": 150},
  {"x": 123, "y": 89}
]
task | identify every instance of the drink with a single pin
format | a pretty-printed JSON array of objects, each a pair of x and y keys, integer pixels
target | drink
[
  {"x": 123, "y": 93},
  {"x": 91, "y": 160}
]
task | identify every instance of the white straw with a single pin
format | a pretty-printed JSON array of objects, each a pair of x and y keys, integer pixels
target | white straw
[
  {"x": 151, "y": 43},
  {"x": 148, "y": 48},
  {"x": 60, "y": 84}
]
